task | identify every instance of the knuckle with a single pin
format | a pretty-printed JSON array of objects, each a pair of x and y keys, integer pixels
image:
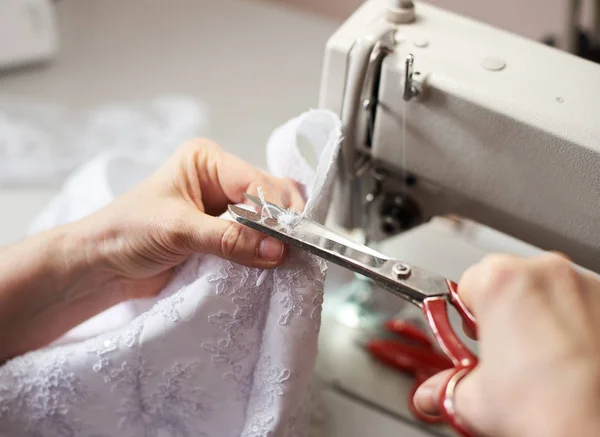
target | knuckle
[
  {"x": 285, "y": 192},
  {"x": 501, "y": 269},
  {"x": 200, "y": 143},
  {"x": 295, "y": 187},
  {"x": 553, "y": 261},
  {"x": 263, "y": 180},
  {"x": 497, "y": 274},
  {"x": 558, "y": 267},
  {"x": 231, "y": 239},
  {"x": 290, "y": 185},
  {"x": 197, "y": 146},
  {"x": 253, "y": 187},
  {"x": 268, "y": 187}
]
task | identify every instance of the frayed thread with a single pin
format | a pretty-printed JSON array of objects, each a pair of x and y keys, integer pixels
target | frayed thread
[
  {"x": 265, "y": 211},
  {"x": 287, "y": 218}
]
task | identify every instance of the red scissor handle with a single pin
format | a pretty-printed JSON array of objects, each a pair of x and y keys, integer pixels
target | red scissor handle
[
  {"x": 420, "y": 360},
  {"x": 447, "y": 401},
  {"x": 436, "y": 312},
  {"x": 409, "y": 359},
  {"x": 409, "y": 331}
]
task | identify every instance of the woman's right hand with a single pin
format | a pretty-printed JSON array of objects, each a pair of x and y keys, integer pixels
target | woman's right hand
[{"x": 539, "y": 348}]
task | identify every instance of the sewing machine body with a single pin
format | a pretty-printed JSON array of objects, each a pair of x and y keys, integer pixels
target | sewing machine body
[{"x": 504, "y": 131}]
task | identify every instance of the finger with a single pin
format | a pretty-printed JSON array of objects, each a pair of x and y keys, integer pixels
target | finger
[
  {"x": 297, "y": 201},
  {"x": 280, "y": 191},
  {"x": 427, "y": 396},
  {"x": 236, "y": 243},
  {"x": 270, "y": 190},
  {"x": 468, "y": 406},
  {"x": 224, "y": 178},
  {"x": 289, "y": 193},
  {"x": 480, "y": 283},
  {"x": 593, "y": 279},
  {"x": 560, "y": 254}
]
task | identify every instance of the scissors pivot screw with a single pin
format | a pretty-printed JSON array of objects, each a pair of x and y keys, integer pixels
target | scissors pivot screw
[{"x": 401, "y": 270}]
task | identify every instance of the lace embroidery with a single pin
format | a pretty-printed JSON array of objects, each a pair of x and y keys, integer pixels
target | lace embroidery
[
  {"x": 43, "y": 395},
  {"x": 167, "y": 307},
  {"x": 294, "y": 282},
  {"x": 270, "y": 381},
  {"x": 315, "y": 314},
  {"x": 168, "y": 407},
  {"x": 233, "y": 356},
  {"x": 230, "y": 279},
  {"x": 292, "y": 294},
  {"x": 231, "y": 353},
  {"x": 134, "y": 331},
  {"x": 319, "y": 269},
  {"x": 103, "y": 346},
  {"x": 249, "y": 298}
]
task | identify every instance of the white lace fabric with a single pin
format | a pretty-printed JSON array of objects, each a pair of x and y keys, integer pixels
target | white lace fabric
[{"x": 223, "y": 351}]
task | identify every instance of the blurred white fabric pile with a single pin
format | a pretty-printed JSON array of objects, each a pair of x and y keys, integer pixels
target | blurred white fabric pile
[{"x": 41, "y": 143}]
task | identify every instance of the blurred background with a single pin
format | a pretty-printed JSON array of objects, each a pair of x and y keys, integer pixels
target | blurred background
[
  {"x": 78, "y": 77},
  {"x": 253, "y": 64},
  {"x": 250, "y": 64}
]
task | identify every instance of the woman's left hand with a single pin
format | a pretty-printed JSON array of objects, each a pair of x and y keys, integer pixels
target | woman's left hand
[
  {"x": 173, "y": 214},
  {"x": 51, "y": 282}
]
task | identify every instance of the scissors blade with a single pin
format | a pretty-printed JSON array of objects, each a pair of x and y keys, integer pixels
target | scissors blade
[
  {"x": 315, "y": 238},
  {"x": 311, "y": 237}
]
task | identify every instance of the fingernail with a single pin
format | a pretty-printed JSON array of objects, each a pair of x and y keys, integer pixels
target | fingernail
[{"x": 270, "y": 249}]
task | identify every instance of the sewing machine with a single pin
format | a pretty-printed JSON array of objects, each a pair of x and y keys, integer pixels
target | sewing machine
[{"x": 443, "y": 115}]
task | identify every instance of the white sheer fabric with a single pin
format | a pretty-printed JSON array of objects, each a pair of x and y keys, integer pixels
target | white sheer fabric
[{"x": 223, "y": 351}]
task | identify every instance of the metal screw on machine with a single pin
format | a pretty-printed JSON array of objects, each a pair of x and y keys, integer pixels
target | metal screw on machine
[
  {"x": 401, "y": 270},
  {"x": 411, "y": 87}
]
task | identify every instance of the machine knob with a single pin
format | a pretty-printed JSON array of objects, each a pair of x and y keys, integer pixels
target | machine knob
[
  {"x": 401, "y": 11},
  {"x": 398, "y": 213}
]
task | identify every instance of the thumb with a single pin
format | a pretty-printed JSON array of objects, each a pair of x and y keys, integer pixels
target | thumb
[
  {"x": 237, "y": 243},
  {"x": 468, "y": 405}
]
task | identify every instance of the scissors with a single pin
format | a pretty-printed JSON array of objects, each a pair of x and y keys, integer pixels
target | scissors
[
  {"x": 405, "y": 347},
  {"x": 429, "y": 291}
]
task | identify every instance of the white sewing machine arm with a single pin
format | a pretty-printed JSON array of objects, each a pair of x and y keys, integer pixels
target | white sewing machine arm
[{"x": 504, "y": 131}]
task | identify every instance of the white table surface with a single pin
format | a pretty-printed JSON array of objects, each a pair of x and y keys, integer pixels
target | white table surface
[{"x": 255, "y": 65}]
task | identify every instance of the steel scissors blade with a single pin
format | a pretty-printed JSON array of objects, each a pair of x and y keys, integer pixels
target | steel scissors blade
[
  {"x": 408, "y": 282},
  {"x": 429, "y": 291}
]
